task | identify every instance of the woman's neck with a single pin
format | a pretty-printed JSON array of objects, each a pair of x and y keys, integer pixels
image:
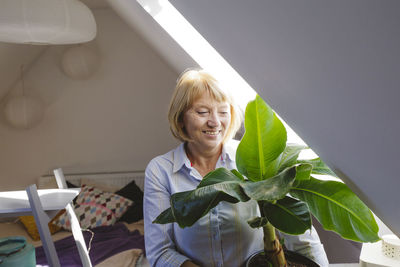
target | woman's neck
[{"x": 203, "y": 161}]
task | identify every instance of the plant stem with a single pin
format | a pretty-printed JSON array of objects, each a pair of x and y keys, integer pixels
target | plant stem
[{"x": 272, "y": 247}]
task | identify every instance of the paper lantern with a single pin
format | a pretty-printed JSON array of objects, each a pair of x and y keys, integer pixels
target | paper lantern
[
  {"x": 79, "y": 62},
  {"x": 46, "y": 22},
  {"x": 23, "y": 112}
]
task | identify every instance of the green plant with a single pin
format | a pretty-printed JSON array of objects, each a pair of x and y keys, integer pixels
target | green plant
[{"x": 281, "y": 184}]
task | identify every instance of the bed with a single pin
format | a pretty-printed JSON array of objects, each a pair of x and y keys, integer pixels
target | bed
[{"x": 115, "y": 240}]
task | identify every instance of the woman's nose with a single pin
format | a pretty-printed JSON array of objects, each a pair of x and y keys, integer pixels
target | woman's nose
[{"x": 214, "y": 120}]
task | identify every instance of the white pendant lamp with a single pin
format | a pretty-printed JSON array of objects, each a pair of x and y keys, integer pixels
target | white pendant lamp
[
  {"x": 80, "y": 62},
  {"x": 46, "y": 22},
  {"x": 23, "y": 111}
]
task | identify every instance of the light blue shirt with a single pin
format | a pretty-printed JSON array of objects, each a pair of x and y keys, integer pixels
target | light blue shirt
[{"x": 222, "y": 237}]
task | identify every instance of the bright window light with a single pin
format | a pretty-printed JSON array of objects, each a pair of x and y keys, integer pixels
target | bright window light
[
  {"x": 207, "y": 57},
  {"x": 198, "y": 48}
]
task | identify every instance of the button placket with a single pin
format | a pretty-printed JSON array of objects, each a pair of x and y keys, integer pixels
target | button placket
[{"x": 216, "y": 237}]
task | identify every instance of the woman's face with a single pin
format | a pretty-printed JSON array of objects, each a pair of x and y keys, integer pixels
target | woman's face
[{"x": 206, "y": 122}]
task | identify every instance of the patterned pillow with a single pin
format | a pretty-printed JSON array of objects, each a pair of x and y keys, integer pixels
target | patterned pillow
[{"x": 94, "y": 208}]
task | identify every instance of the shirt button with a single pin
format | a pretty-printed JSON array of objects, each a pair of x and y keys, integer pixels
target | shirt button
[{"x": 215, "y": 236}]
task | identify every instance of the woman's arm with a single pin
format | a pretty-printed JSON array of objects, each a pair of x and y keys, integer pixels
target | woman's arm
[{"x": 159, "y": 238}]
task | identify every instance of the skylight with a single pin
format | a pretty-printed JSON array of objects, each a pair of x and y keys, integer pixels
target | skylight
[{"x": 206, "y": 56}]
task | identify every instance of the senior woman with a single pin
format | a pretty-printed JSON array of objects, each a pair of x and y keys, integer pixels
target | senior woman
[{"x": 204, "y": 118}]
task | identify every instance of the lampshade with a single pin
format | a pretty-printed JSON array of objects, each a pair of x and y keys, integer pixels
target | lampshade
[
  {"x": 46, "y": 22},
  {"x": 79, "y": 62},
  {"x": 23, "y": 112}
]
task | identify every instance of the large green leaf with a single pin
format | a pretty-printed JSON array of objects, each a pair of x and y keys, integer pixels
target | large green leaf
[
  {"x": 263, "y": 142},
  {"x": 338, "y": 209},
  {"x": 165, "y": 217},
  {"x": 223, "y": 185},
  {"x": 290, "y": 155},
  {"x": 319, "y": 167},
  {"x": 189, "y": 206},
  {"x": 221, "y": 175},
  {"x": 274, "y": 188},
  {"x": 289, "y": 215}
]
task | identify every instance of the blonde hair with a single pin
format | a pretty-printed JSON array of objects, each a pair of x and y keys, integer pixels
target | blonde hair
[{"x": 192, "y": 84}]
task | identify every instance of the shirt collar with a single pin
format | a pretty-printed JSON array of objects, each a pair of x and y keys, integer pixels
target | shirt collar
[
  {"x": 181, "y": 159},
  {"x": 229, "y": 151}
]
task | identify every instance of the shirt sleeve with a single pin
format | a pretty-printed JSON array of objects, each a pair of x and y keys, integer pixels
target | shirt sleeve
[
  {"x": 159, "y": 240},
  {"x": 307, "y": 244}
]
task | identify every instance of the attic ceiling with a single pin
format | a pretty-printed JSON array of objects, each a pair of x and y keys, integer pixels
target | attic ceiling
[{"x": 331, "y": 70}]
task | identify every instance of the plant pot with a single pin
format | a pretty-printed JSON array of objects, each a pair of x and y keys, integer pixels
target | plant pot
[{"x": 293, "y": 259}]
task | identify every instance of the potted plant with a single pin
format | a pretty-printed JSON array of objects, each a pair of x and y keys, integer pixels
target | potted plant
[{"x": 269, "y": 171}]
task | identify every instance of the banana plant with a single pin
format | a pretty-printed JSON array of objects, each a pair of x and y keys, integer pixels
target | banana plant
[{"x": 269, "y": 171}]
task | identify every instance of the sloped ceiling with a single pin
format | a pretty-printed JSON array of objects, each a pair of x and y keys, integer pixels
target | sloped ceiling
[
  {"x": 93, "y": 4},
  {"x": 139, "y": 20},
  {"x": 331, "y": 70}
]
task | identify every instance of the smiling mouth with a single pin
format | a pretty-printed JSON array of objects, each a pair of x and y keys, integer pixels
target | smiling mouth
[{"x": 212, "y": 132}]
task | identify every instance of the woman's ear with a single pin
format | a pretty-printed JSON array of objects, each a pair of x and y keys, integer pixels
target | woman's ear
[
  {"x": 181, "y": 126},
  {"x": 180, "y": 121}
]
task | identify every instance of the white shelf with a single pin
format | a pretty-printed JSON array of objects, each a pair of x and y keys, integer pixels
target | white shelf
[
  {"x": 344, "y": 265},
  {"x": 15, "y": 203},
  {"x": 372, "y": 256}
]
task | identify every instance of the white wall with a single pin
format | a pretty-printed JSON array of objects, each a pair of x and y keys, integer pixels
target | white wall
[{"x": 114, "y": 121}]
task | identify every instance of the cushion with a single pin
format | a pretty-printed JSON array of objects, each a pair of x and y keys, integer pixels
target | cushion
[
  {"x": 71, "y": 185},
  {"x": 134, "y": 193},
  {"x": 99, "y": 184},
  {"x": 94, "y": 207},
  {"x": 30, "y": 226}
]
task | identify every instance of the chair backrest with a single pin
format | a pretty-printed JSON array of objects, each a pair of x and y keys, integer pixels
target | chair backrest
[
  {"x": 61, "y": 183},
  {"x": 75, "y": 227}
]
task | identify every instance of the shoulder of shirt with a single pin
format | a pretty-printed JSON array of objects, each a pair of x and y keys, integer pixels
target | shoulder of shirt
[
  {"x": 165, "y": 161},
  {"x": 166, "y": 158}
]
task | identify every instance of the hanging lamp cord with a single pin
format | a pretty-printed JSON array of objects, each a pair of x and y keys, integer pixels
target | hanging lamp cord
[{"x": 22, "y": 80}]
